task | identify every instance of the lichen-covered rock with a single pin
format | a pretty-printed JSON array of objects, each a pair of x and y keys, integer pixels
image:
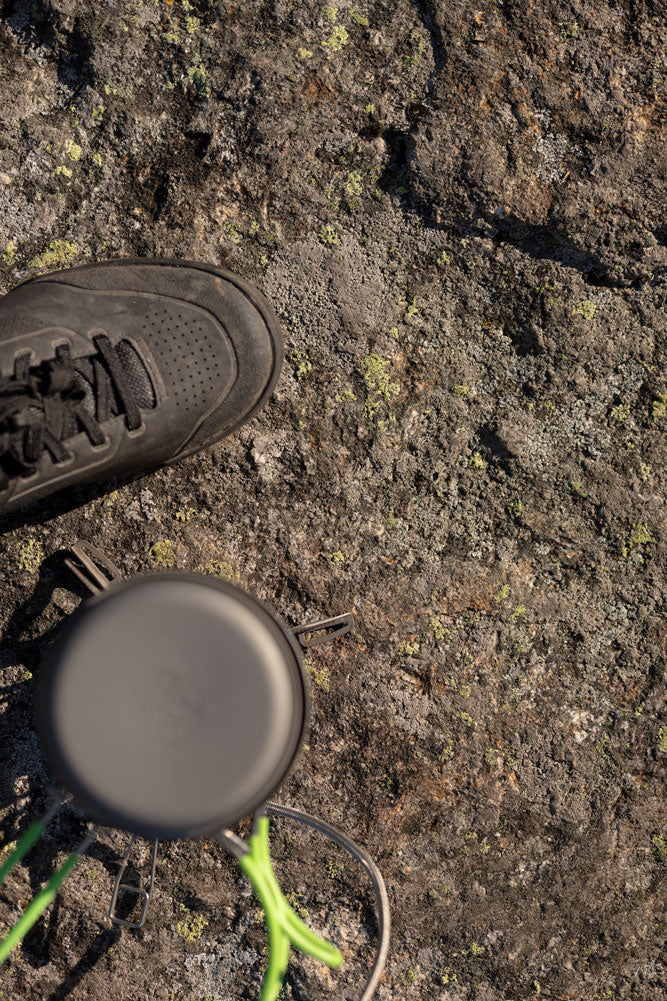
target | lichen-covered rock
[{"x": 458, "y": 214}]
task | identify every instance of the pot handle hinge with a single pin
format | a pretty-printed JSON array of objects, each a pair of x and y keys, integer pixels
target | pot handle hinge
[
  {"x": 92, "y": 567},
  {"x": 314, "y": 633}
]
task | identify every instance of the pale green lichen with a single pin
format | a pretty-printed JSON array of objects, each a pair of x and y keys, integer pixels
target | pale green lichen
[
  {"x": 9, "y": 254},
  {"x": 502, "y": 594},
  {"x": 662, "y": 740},
  {"x": 304, "y": 53},
  {"x": 334, "y": 869},
  {"x": 620, "y": 413},
  {"x": 459, "y": 390},
  {"x": 97, "y": 159},
  {"x": 337, "y": 40},
  {"x": 200, "y": 77},
  {"x": 231, "y": 229},
  {"x": 337, "y": 557},
  {"x": 416, "y": 46},
  {"x": 353, "y": 186},
  {"x": 320, "y": 675},
  {"x": 220, "y": 568},
  {"x": 659, "y": 407},
  {"x": 74, "y": 151},
  {"x": 163, "y": 553},
  {"x": 639, "y": 536},
  {"x": 379, "y": 387},
  {"x": 357, "y": 18},
  {"x": 184, "y": 514},
  {"x": 30, "y": 555},
  {"x": 476, "y": 461},
  {"x": 659, "y": 847},
  {"x": 328, "y": 236},
  {"x": 191, "y": 927},
  {"x": 301, "y": 363},
  {"x": 586, "y": 308},
  {"x": 409, "y": 647},
  {"x": 58, "y": 254},
  {"x": 439, "y": 631},
  {"x": 62, "y": 171},
  {"x": 330, "y": 14}
]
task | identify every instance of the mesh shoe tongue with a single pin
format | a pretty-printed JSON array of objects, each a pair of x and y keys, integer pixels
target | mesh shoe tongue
[
  {"x": 135, "y": 371},
  {"x": 137, "y": 375}
]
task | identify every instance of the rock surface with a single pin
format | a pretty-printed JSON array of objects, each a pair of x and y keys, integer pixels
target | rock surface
[{"x": 458, "y": 213}]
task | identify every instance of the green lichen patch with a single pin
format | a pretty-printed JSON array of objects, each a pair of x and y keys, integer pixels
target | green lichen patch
[
  {"x": 9, "y": 254},
  {"x": 357, "y": 18},
  {"x": 301, "y": 363},
  {"x": 192, "y": 24},
  {"x": 659, "y": 407},
  {"x": 185, "y": 514},
  {"x": 231, "y": 229},
  {"x": 328, "y": 236},
  {"x": 163, "y": 553},
  {"x": 619, "y": 414},
  {"x": 353, "y": 187},
  {"x": 476, "y": 461},
  {"x": 639, "y": 536},
  {"x": 380, "y": 389},
  {"x": 438, "y": 630},
  {"x": 30, "y": 555},
  {"x": 200, "y": 78},
  {"x": 337, "y": 40},
  {"x": 319, "y": 673},
  {"x": 58, "y": 254},
  {"x": 304, "y": 53},
  {"x": 586, "y": 308},
  {"x": 410, "y": 647},
  {"x": 416, "y": 46},
  {"x": 191, "y": 927},
  {"x": 74, "y": 151},
  {"x": 459, "y": 390},
  {"x": 220, "y": 568},
  {"x": 659, "y": 844}
]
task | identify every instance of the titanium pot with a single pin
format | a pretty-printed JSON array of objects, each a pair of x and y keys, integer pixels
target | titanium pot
[{"x": 172, "y": 705}]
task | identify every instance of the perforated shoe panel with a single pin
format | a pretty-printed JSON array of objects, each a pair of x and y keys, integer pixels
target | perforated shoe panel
[{"x": 194, "y": 356}]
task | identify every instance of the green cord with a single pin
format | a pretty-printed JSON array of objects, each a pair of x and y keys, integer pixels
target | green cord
[
  {"x": 24, "y": 845},
  {"x": 284, "y": 927},
  {"x": 37, "y": 905}
]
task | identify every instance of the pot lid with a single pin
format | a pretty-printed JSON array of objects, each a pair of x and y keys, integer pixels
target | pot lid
[{"x": 172, "y": 705}]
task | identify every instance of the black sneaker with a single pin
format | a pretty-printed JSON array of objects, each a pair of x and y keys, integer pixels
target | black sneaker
[{"x": 121, "y": 367}]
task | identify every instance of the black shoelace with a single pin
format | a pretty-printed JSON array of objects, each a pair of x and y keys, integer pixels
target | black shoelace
[{"x": 43, "y": 406}]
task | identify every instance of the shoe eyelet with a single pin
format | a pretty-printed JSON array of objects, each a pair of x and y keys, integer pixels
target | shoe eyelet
[
  {"x": 105, "y": 444},
  {"x": 137, "y": 433}
]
